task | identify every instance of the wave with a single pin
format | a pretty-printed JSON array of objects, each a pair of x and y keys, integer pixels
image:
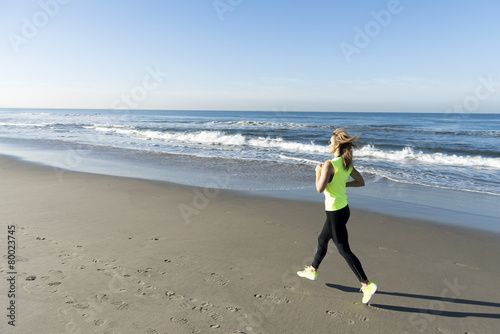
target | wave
[
  {"x": 408, "y": 154},
  {"x": 215, "y": 138},
  {"x": 410, "y": 179},
  {"x": 300, "y": 160},
  {"x": 221, "y": 138},
  {"x": 265, "y": 124},
  {"x": 26, "y": 125}
]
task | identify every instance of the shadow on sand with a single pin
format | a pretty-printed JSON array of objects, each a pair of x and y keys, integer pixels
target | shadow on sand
[{"x": 436, "y": 311}]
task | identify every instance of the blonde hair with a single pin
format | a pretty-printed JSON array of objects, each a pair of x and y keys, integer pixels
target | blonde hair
[{"x": 345, "y": 144}]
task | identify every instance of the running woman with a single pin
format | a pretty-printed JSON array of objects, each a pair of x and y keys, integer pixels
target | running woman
[{"x": 331, "y": 179}]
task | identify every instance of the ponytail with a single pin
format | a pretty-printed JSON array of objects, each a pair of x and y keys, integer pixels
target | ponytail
[{"x": 345, "y": 144}]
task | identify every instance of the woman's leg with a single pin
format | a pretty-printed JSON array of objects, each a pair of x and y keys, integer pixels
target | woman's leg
[
  {"x": 339, "y": 219},
  {"x": 323, "y": 239}
]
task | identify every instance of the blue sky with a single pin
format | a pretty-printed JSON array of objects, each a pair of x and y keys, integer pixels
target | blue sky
[{"x": 322, "y": 55}]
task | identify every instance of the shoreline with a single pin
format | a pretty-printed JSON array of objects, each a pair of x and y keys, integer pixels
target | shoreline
[
  {"x": 477, "y": 211},
  {"x": 116, "y": 254},
  {"x": 209, "y": 188}
]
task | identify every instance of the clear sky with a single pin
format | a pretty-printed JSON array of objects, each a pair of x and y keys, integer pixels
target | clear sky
[{"x": 321, "y": 55}]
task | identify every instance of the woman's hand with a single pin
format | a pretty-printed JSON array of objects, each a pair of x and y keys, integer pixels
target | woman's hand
[
  {"x": 358, "y": 179},
  {"x": 318, "y": 168}
]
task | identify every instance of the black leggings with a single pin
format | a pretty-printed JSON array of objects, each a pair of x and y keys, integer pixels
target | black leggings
[{"x": 335, "y": 228}]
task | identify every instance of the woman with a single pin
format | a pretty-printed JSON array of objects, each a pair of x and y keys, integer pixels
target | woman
[{"x": 331, "y": 178}]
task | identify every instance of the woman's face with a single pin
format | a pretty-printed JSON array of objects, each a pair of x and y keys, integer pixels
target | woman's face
[{"x": 331, "y": 145}]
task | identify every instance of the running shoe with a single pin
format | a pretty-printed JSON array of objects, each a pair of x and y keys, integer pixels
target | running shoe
[
  {"x": 368, "y": 291},
  {"x": 308, "y": 273}
]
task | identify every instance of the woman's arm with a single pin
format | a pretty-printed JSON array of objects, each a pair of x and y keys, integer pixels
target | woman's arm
[
  {"x": 358, "y": 179},
  {"x": 323, "y": 174}
]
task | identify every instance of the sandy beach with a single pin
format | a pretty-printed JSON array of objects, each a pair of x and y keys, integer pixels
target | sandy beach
[{"x": 104, "y": 254}]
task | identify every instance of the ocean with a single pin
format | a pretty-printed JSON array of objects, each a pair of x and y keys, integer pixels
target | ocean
[{"x": 448, "y": 161}]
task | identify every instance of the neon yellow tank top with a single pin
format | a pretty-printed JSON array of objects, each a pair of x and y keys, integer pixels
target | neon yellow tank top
[{"x": 335, "y": 197}]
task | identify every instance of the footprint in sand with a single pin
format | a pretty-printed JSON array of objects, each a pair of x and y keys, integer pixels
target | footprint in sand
[
  {"x": 217, "y": 317},
  {"x": 147, "y": 291},
  {"x": 203, "y": 307},
  {"x": 196, "y": 305},
  {"x": 465, "y": 266},
  {"x": 146, "y": 272},
  {"x": 102, "y": 298},
  {"x": 106, "y": 299},
  {"x": 99, "y": 322},
  {"x": 273, "y": 298},
  {"x": 388, "y": 249},
  {"x": 81, "y": 305},
  {"x": 184, "y": 323},
  {"x": 340, "y": 316},
  {"x": 57, "y": 274},
  {"x": 294, "y": 290},
  {"x": 120, "y": 305},
  {"x": 173, "y": 296},
  {"x": 54, "y": 283},
  {"x": 378, "y": 309},
  {"x": 347, "y": 317},
  {"x": 69, "y": 300},
  {"x": 217, "y": 279},
  {"x": 232, "y": 309}
]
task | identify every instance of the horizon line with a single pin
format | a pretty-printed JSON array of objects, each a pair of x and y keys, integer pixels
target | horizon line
[{"x": 217, "y": 110}]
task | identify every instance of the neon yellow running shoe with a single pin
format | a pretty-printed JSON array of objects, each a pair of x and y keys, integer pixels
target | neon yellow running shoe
[
  {"x": 309, "y": 273},
  {"x": 368, "y": 291}
]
